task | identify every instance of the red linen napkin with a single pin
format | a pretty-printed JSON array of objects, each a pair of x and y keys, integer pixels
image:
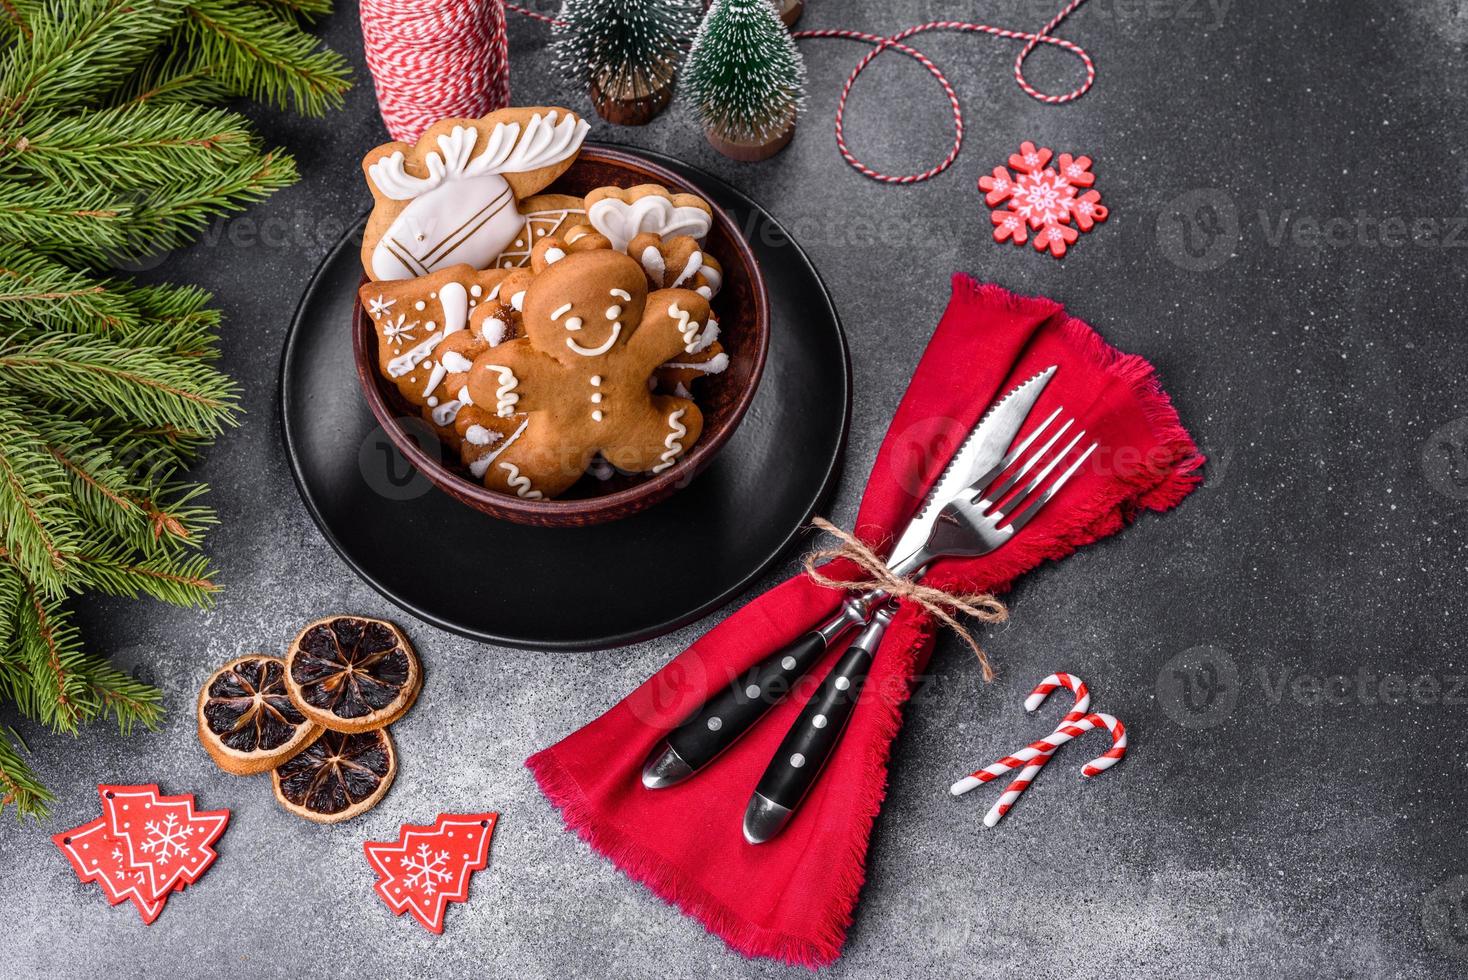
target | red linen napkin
[{"x": 792, "y": 898}]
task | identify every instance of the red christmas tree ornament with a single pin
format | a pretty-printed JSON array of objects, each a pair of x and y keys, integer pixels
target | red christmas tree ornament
[
  {"x": 1038, "y": 196},
  {"x": 429, "y": 867},
  {"x": 97, "y": 856},
  {"x": 163, "y": 837}
]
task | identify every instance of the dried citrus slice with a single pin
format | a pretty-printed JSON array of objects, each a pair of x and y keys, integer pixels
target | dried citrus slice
[
  {"x": 337, "y": 776},
  {"x": 247, "y": 721},
  {"x": 352, "y": 674}
]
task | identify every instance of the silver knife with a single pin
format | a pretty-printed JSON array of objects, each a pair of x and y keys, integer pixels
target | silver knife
[{"x": 720, "y": 721}]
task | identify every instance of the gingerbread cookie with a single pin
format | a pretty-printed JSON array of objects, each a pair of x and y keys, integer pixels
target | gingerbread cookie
[
  {"x": 452, "y": 196},
  {"x": 422, "y": 344},
  {"x": 623, "y": 214},
  {"x": 545, "y": 215},
  {"x": 676, "y": 262},
  {"x": 580, "y": 375}
]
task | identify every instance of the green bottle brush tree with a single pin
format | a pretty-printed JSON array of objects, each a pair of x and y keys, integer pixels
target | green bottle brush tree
[
  {"x": 625, "y": 52},
  {"x": 111, "y": 149},
  {"x": 744, "y": 79}
]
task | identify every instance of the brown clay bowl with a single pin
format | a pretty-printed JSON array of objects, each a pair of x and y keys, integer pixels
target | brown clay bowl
[{"x": 743, "y": 310}]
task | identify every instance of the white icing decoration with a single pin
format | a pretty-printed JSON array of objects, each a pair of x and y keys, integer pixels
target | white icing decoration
[
  {"x": 464, "y": 210},
  {"x": 695, "y": 261},
  {"x": 495, "y": 291},
  {"x": 682, "y": 392},
  {"x": 519, "y": 243},
  {"x": 463, "y": 395},
  {"x": 419, "y": 305},
  {"x": 705, "y": 292},
  {"x": 518, "y": 301},
  {"x": 456, "y": 363},
  {"x": 713, "y": 277},
  {"x": 596, "y": 380},
  {"x": 396, "y": 331},
  {"x": 621, "y": 294},
  {"x": 520, "y": 484},
  {"x": 621, "y": 222},
  {"x": 494, "y": 330},
  {"x": 653, "y": 265},
  {"x": 613, "y": 311},
  {"x": 573, "y": 323},
  {"x": 597, "y": 416},
  {"x": 379, "y": 306},
  {"x": 478, "y": 435},
  {"x": 673, "y": 442},
  {"x": 709, "y": 335},
  {"x": 505, "y": 397},
  {"x": 595, "y": 351},
  {"x": 481, "y": 465},
  {"x": 687, "y": 326},
  {"x": 432, "y": 402},
  {"x": 434, "y": 377},
  {"x": 554, "y": 255},
  {"x": 476, "y": 290},
  {"x": 447, "y": 412},
  {"x": 454, "y": 300},
  {"x": 404, "y": 363},
  {"x": 717, "y": 364},
  {"x": 596, "y": 397},
  {"x": 560, "y": 311}
]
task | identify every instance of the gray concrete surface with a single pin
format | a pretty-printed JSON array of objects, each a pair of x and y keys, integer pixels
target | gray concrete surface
[{"x": 1259, "y": 827}]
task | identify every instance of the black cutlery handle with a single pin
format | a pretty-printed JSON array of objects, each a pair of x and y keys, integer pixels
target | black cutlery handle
[
  {"x": 727, "y": 715},
  {"x": 813, "y": 737}
]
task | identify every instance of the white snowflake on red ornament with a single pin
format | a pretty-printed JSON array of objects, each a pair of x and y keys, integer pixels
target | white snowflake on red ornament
[{"x": 1045, "y": 199}]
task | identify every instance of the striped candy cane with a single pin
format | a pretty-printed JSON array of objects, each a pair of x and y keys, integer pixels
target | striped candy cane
[
  {"x": 1032, "y": 758},
  {"x": 1037, "y": 697}
]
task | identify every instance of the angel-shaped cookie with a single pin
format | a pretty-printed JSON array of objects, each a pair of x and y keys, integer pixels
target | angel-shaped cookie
[
  {"x": 593, "y": 337},
  {"x": 453, "y": 196}
]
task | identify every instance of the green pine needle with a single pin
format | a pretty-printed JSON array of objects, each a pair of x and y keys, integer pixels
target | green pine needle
[
  {"x": 265, "y": 57},
  {"x": 39, "y": 532},
  {"x": 150, "y": 385},
  {"x": 626, "y": 48},
  {"x": 19, "y": 786}
]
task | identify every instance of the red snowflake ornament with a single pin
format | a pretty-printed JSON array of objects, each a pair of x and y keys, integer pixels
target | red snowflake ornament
[
  {"x": 429, "y": 867},
  {"x": 163, "y": 837},
  {"x": 1043, "y": 198},
  {"x": 97, "y": 856}
]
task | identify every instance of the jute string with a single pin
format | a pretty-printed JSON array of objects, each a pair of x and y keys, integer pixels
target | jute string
[{"x": 941, "y": 604}]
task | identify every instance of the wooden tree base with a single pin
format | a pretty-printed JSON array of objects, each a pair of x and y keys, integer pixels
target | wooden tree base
[
  {"x": 750, "y": 152},
  {"x": 790, "y": 11},
  {"x": 629, "y": 112}
]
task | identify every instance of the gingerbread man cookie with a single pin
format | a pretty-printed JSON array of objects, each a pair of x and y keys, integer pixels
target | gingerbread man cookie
[
  {"x": 453, "y": 196},
  {"x": 580, "y": 375}
]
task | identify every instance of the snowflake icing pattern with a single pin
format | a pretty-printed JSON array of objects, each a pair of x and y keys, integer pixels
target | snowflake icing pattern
[
  {"x": 397, "y": 332},
  {"x": 380, "y": 306},
  {"x": 1037, "y": 196},
  {"x": 166, "y": 838},
  {"x": 426, "y": 869}
]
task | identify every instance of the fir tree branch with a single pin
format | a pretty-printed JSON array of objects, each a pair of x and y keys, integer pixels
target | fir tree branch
[
  {"x": 118, "y": 696},
  {"x": 37, "y": 291},
  {"x": 147, "y": 384},
  {"x": 49, "y": 651},
  {"x": 172, "y": 76},
  {"x": 19, "y": 786},
  {"x": 138, "y": 145},
  {"x": 266, "y": 57},
  {"x": 87, "y": 225},
  {"x": 305, "y": 10},
  {"x": 179, "y": 582},
  {"x": 78, "y": 50},
  {"x": 38, "y": 531}
]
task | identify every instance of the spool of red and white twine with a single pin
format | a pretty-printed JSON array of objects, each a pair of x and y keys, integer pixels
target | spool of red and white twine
[{"x": 432, "y": 61}]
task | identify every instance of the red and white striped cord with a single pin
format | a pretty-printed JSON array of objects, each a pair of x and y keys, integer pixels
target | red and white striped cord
[
  {"x": 894, "y": 43},
  {"x": 1033, "y": 757}
]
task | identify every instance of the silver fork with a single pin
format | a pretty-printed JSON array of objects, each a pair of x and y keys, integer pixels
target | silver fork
[{"x": 970, "y": 525}]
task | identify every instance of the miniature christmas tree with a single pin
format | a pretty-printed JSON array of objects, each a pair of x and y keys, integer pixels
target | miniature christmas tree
[
  {"x": 744, "y": 79},
  {"x": 625, "y": 52},
  {"x": 108, "y": 387}
]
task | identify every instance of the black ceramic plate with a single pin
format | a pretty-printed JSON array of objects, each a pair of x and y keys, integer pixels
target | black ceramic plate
[{"x": 572, "y": 588}]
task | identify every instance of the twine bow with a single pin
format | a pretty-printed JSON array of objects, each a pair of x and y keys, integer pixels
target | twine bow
[{"x": 941, "y": 604}]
